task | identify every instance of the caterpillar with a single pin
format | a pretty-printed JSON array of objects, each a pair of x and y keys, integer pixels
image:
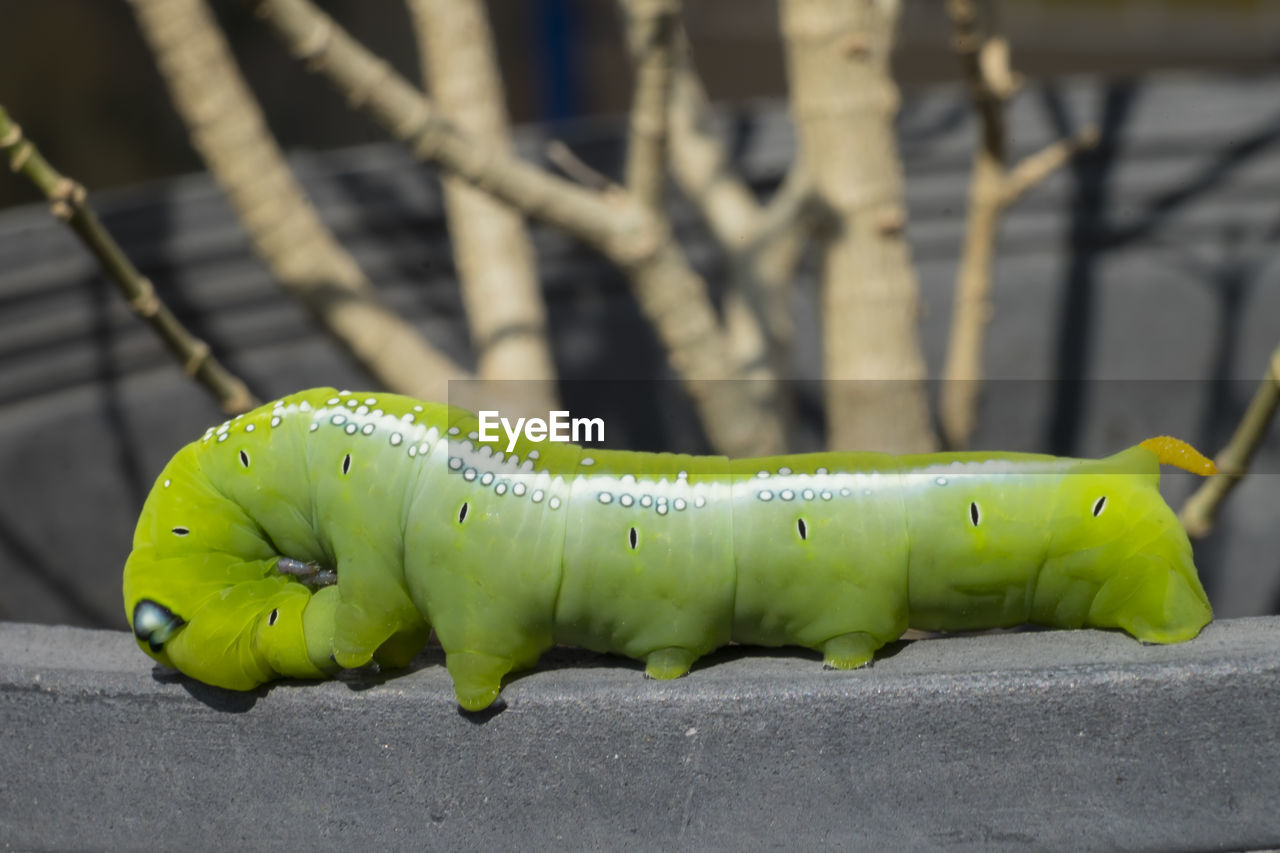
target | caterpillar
[{"x": 332, "y": 528}]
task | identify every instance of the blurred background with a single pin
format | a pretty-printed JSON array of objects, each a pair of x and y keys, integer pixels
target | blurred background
[
  {"x": 1135, "y": 290},
  {"x": 83, "y": 82}
]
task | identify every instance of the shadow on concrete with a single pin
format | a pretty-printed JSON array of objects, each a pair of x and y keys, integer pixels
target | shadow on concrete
[{"x": 215, "y": 698}]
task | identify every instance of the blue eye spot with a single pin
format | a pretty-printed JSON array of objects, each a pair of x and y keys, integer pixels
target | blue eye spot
[{"x": 155, "y": 624}]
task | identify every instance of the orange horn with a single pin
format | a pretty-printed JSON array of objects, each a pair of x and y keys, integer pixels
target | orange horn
[{"x": 1175, "y": 451}]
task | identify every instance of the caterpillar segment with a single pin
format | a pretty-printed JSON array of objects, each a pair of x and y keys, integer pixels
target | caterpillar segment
[{"x": 331, "y": 528}]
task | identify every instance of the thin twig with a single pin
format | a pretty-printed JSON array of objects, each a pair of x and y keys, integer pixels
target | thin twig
[
  {"x": 761, "y": 251},
  {"x": 228, "y": 130},
  {"x": 1201, "y": 509},
  {"x": 984, "y": 57},
  {"x": 763, "y": 263},
  {"x": 492, "y": 251},
  {"x": 68, "y": 203},
  {"x": 563, "y": 158},
  {"x": 652, "y": 34},
  {"x": 763, "y": 243},
  {"x": 1035, "y": 168},
  {"x": 671, "y": 294}
]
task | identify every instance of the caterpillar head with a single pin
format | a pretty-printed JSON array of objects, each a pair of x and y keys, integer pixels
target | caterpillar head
[
  {"x": 1119, "y": 557},
  {"x": 154, "y": 624},
  {"x": 238, "y": 636}
]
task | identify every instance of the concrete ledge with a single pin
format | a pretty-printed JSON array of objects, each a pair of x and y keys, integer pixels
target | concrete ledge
[{"x": 1062, "y": 740}]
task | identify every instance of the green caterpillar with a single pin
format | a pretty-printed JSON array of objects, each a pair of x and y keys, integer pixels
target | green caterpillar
[{"x": 329, "y": 529}]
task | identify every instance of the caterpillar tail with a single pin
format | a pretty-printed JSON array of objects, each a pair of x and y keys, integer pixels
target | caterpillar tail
[{"x": 1180, "y": 454}]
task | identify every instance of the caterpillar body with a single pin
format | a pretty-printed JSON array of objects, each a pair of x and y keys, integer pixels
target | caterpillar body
[{"x": 329, "y": 529}]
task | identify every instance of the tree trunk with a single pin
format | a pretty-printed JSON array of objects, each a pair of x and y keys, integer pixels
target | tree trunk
[
  {"x": 494, "y": 257},
  {"x": 844, "y": 102}
]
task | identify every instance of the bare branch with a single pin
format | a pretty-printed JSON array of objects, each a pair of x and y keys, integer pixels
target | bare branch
[
  {"x": 652, "y": 34},
  {"x": 1201, "y": 509},
  {"x": 763, "y": 263},
  {"x": 491, "y": 247},
  {"x": 372, "y": 86},
  {"x": 989, "y": 86},
  {"x": 844, "y": 100},
  {"x": 763, "y": 244},
  {"x": 984, "y": 57},
  {"x": 1035, "y": 168},
  {"x": 668, "y": 290},
  {"x": 572, "y": 165},
  {"x": 700, "y": 161},
  {"x": 68, "y": 203},
  {"x": 702, "y": 170},
  {"x": 228, "y": 130}
]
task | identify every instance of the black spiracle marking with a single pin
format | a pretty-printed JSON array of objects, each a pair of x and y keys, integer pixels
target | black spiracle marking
[
  {"x": 244, "y": 458},
  {"x": 275, "y": 614},
  {"x": 462, "y": 513},
  {"x": 633, "y": 538},
  {"x": 975, "y": 515},
  {"x": 181, "y": 531},
  {"x": 802, "y": 528},
  {"x": 1099, "y": 505},
  {"x": 346, "y": 464}
]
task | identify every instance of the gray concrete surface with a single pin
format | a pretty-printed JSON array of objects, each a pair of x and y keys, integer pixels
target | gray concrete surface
[{"x": 1049, "y": 740}]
